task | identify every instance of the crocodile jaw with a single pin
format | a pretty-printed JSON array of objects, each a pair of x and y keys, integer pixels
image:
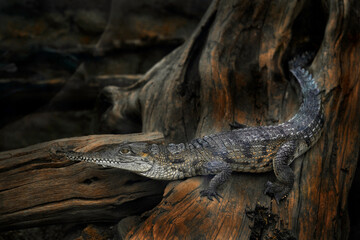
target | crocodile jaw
[{"x": 134, "y": 164}]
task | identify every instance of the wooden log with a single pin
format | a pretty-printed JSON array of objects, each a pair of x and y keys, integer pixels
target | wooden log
[
  {"x": 234, "y": 67},
  {"x": 38, "y": 187}
]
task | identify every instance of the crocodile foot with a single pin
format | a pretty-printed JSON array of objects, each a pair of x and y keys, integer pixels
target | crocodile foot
[
  {"x": 210, "y": 194},
  {"x": 277, "y": 190}
]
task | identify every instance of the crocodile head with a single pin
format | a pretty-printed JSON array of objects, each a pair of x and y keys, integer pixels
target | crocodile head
[{"x": 127, "y": 156}]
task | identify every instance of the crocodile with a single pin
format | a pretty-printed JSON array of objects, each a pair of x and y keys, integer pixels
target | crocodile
[{"x": 254, "y": 149}]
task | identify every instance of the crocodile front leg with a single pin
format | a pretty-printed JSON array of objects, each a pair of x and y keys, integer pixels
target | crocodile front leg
[
  {"x": 222, "y": 171},
  {"x": 283, "y": 172}
]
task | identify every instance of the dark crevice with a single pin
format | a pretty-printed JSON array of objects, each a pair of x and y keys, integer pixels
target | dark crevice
[
  {"x": 353, "y": 204},
  {"x": 307, "y": 31},
  {"x": 265, "y": 225},
  {"x": 190, "y": 87},
  {"x": 135, "y": 181},
  {"x": 131, "y": 122}
]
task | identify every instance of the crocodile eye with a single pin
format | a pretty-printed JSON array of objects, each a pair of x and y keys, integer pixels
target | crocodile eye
[{"x": 125, "y": 151}]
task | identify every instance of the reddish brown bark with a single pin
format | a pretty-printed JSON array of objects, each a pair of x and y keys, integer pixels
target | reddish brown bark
[{"x": 234, "y": 67}]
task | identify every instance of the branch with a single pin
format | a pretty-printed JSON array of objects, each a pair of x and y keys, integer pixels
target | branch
[{"x": 38, "y": 187}]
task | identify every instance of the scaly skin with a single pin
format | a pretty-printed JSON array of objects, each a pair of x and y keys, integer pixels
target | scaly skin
[{"x": 245, "y": 149}]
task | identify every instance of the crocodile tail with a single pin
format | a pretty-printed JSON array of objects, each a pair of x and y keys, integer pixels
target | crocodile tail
[
  {"x": 309, "y": 119},
  {"x": 307, "y": 83},
  {"x": 302, "y": 60}
]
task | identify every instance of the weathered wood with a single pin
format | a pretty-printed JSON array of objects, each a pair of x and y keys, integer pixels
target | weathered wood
[
  {"x": 234, "y": 67},
  {"x": 38, "y": 187}
]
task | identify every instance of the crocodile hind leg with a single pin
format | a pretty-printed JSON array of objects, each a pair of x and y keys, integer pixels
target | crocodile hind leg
[
  {"x": 222, "y": 171},
  {"x": 283, "y": 172}
]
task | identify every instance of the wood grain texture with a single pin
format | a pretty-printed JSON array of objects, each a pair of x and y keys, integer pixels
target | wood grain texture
[
  {"x": 38, "y": 186},
  {"x": 234, "y": 67}
]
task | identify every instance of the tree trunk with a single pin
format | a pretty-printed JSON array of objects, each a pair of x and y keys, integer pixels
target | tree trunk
[{"x": 234, "y": 67}]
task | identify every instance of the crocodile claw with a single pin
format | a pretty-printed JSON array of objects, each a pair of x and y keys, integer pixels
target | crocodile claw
[
  {"x": 210, "y": 194},
  {"x": 277, "y": 190}
]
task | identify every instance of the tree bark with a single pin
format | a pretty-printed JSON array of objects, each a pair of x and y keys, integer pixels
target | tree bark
[
  {"x": 38, "y": 186},
  {"x": 234, "y": 67}
]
